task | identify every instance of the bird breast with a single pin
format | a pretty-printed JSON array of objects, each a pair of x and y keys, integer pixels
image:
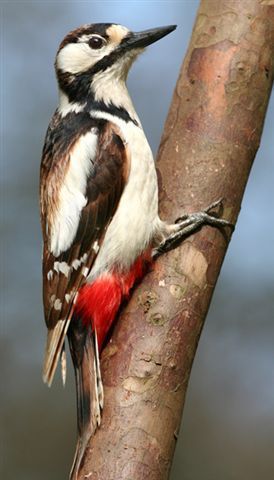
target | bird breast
[{"x": 136, "y": 217}]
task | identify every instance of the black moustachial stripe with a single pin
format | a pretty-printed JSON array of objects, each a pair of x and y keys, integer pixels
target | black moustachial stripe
[
  {"x": 78, "y": 86},
  {"x": 78, "y": 89}
]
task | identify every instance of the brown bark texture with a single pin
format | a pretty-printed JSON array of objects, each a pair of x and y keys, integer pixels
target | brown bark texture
[{"x": 211, "y": 136}]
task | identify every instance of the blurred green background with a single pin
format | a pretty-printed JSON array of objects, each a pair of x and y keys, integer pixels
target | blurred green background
[{"x": 228, "y": 427}]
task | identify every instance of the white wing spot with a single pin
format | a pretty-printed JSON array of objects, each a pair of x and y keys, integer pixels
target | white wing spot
[
  {"x": 57, "y": 304},
  {"x": 52, "y": 299},
  {"x": 95, "y": 246},
  {"x": 76, "y": 264},
  {"x": 62, "y": 267},
  {"x": 56, "y": 267},
  {"x": 50, "y": 275},
  {"x": 85, "y": 271},
  {"x": 83, "y": 259},
  {"x": 68, "y": 297}
]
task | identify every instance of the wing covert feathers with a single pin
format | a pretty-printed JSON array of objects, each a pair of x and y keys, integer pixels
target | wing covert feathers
[{"x": 64, "y": 275}]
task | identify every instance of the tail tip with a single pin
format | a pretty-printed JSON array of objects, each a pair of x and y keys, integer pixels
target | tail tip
[{"x": 47, "y": 379}]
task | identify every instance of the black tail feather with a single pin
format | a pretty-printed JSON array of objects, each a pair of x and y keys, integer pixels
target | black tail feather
[{"x": 84, "y": 352}]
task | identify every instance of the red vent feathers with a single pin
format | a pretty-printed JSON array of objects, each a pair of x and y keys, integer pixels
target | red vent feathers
[{"x": 99, "y": 301}]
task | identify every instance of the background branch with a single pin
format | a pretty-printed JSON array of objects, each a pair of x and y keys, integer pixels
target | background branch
[{"x": 209, "y": 142}]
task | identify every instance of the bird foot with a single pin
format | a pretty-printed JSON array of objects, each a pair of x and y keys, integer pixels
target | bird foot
[{"x": 190, "y": 223}]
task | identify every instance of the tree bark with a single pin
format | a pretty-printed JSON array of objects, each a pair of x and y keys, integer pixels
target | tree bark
[{"x": 211, "y": 136}]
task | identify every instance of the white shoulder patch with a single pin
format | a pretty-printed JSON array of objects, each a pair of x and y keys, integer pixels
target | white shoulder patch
[{"x": 72, "y": 194}]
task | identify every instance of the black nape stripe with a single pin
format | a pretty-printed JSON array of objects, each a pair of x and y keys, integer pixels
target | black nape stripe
[
  {"x": 110, "y": 108},
  {"x": 76, "y": 87},
  {"x": 78, "y": 90}
]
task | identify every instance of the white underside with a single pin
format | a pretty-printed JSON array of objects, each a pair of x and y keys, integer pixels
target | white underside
[{"x": 136, "y": 219}]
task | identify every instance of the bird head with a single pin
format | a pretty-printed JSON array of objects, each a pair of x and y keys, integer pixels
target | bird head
[{"x": 100, "y": 50}]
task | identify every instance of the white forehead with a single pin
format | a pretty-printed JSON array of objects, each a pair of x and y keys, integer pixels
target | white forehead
[{"x": 117, "y": 33}]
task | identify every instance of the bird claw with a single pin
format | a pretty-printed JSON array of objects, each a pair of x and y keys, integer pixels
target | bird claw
[
  {"x": 190, "y": 223},
  {"x": 218, "y": 204}
]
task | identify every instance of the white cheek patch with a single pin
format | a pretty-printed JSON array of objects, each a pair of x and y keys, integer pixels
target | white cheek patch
[
  {"x": 72, "y": 195},
  {"x": 75, "y": 57},
  {"x": 79, "y": 57}
]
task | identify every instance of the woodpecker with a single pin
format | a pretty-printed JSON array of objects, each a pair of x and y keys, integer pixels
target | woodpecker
[{"x": 99, "y": 206}]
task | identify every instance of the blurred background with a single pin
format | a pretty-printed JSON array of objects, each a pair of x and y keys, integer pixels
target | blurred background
[{"x": 228, "y": 426}]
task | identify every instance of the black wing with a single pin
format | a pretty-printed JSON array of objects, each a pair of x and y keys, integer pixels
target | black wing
[{"x": 64, "y": 274}]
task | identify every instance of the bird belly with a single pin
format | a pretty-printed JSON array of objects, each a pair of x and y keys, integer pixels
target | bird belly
[
  {"x": 125, "y": 251},
  {"x": 136, "y": 219}
]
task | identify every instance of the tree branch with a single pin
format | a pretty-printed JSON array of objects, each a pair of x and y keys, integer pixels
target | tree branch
[{"x": 209, "y": 142}]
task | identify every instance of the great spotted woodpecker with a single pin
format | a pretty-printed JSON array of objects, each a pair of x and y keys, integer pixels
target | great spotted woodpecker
[{"x": 99, "y": 206}]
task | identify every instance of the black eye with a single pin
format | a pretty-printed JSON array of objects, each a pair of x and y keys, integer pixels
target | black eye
[{"x": 96, "y": 42}]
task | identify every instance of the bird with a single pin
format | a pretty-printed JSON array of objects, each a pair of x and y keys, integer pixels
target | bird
[{"x": 99, "y": 207}]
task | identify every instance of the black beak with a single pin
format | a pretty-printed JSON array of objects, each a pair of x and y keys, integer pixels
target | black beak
[{"x": 145, "y": 38}]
